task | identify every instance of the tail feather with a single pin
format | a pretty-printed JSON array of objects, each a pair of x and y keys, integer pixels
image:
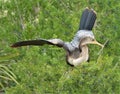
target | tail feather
[
  {"x": 83, "y": 18},
  {"x": 87, "y": 20}
]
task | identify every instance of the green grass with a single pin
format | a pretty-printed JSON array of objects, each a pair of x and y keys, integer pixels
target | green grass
[{"x": 42, "y": 70}]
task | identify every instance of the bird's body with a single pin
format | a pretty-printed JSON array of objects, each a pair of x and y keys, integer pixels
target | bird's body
[
  {"x": 78, "y": 56},
  {"x": 77, "y": 49},
  {"x": 74, "y": 51}
]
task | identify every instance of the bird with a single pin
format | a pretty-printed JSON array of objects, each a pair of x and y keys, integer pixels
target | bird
[{"x": 77, "y": 49}]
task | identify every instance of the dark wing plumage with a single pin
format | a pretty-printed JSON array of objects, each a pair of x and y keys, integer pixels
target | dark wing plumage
[
  {"x": 87, "y": 19},
  {"x": 39, "y": 42}
]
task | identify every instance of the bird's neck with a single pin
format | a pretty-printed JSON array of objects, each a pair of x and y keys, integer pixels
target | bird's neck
[
  {"x": 83, "y": 56},
  {"x": 84, "y": 53}
]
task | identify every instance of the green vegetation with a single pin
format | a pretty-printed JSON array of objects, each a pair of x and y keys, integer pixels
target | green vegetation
[{"x": 43, "y": 70}]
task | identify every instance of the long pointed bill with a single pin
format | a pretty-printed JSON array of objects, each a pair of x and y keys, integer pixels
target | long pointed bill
[{"x": 95, "y": 42}]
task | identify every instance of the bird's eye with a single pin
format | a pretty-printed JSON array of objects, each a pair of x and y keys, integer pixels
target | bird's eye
[{"x": 93, "y": 39}]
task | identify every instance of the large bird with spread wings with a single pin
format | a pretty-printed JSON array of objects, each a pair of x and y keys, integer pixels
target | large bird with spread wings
[{"x": 77, "y": 49}]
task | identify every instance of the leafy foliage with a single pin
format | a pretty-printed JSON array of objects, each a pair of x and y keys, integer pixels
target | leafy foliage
[
  {"x": 6, "y": 75},
  {"x": 41, "y": 70}
]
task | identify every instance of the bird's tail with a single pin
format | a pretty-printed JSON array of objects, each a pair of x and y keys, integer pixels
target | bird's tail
[{"x": 87, "y": 19}]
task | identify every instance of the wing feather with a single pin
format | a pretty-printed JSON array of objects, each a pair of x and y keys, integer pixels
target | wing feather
[{"x": 39, "y": 42}]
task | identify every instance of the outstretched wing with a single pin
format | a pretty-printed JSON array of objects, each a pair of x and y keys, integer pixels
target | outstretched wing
[{"x": 40, "y": 42}]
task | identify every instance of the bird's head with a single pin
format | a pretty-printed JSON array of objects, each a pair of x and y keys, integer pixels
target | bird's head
[{"x": 89, "y": 40}]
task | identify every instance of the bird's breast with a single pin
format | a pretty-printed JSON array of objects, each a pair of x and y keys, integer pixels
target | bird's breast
[
  {"x": 77, "y": 57},
  {"x": 77, "y": 61}
]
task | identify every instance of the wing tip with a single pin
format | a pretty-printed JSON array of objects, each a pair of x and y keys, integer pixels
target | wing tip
[{"x": 13, "y": 46}]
